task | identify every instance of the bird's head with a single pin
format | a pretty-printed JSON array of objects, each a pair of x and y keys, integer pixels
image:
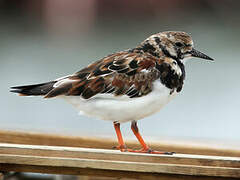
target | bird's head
[{"x": 174, "y": 44}]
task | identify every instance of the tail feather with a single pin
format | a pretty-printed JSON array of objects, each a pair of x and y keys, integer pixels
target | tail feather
[{"x": 34, "y": 90}]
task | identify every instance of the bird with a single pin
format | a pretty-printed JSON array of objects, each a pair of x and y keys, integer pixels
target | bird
[{"x": 128, "y": 85}]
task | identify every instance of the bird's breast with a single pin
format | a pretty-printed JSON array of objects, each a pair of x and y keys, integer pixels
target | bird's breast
[{"x": 172, "y": 74}]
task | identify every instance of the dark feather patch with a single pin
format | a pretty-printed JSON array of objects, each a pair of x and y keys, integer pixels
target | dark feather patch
[
  {"x": 82, "y": 75},
  {"x": 169, "y": 78},
  {"x": 116, "y": 68},
  {"x": 135, "y": 95},
  {"x": 87, "y": 93},
  {"x": 78, "y": 89},
  {"x": 147, "y": 48},
  {"x": 131, "y": 73},
  {"x": 119, "y": 62},
  {"x": 34, "y": 90},
  {"x": 133, "y": 64},
  {"x": 132, "y": 92},
  {"x": 98, "y": 72},
  {"x": 111, "y": 90}
]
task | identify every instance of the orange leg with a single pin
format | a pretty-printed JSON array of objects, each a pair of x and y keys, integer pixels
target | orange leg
[
  {"x": 122, "y": 147},
  {"x": 145, "y": 148},
  {"x": 138, "y": 136}
]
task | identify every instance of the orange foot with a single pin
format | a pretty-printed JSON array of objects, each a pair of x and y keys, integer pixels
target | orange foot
[
  {"x": 123, "y": 148},
  {"x": 149, "y": 151}
]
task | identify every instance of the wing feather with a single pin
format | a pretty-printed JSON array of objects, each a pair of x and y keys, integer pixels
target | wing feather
[{"x": 122, "y": 73}]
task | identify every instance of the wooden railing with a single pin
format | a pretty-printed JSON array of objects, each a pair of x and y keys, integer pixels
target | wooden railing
[{"x": 27, "y": 152}]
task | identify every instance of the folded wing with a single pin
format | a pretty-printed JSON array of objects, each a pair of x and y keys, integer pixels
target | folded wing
[{"x": 122, "y": 73}]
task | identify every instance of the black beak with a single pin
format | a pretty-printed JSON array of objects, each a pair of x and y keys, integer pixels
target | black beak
[{"x": 198, "y": 54}]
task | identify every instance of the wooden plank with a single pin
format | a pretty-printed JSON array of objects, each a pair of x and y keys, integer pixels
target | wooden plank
[
  {"x": 104, "y": 143},
  {"x": 102, "y": 174},
  {"x": 100, "y": 154},
  {"x": 63, "y": 159}
]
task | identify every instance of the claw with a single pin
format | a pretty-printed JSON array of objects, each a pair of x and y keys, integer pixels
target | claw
[
  {"x": 169, "y": 153},
  {"x": 149, "y": 151},
  {"x": 122, "y": 148}
]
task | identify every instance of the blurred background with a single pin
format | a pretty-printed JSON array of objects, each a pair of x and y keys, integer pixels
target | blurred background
[{"x": 47, "y": 39}]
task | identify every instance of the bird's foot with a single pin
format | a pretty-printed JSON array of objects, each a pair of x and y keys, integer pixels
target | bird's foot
[
  {"x": 150, "y": 151},
  {"x": 123, "y": 148}
]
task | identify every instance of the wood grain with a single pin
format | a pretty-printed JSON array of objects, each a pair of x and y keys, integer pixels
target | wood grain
[
  {"x": 84, "y": 161},
  {"x": 105, "y": 143}
]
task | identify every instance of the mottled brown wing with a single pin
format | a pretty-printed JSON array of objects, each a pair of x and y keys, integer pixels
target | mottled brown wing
[{"x": 121, "y": 73}]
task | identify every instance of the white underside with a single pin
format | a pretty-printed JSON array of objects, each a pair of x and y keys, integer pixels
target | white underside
[{"x": 123, "y": 108}]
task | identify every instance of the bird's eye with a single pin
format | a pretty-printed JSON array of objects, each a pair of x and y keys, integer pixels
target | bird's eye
[{"x": 179, "y": 44}]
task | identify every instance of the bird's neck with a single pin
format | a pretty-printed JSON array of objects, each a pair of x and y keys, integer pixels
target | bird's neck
[
  {"x": 150, "y": 46},
  {"x": 156, "y": 49},
  {"x": 176, "y": 71}
]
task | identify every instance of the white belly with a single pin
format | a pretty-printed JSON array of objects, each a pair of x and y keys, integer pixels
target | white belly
[{"x": 123, "y": 108}]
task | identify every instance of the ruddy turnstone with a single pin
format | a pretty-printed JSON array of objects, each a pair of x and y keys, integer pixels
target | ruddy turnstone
[{"x": 127, "y": 85}]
